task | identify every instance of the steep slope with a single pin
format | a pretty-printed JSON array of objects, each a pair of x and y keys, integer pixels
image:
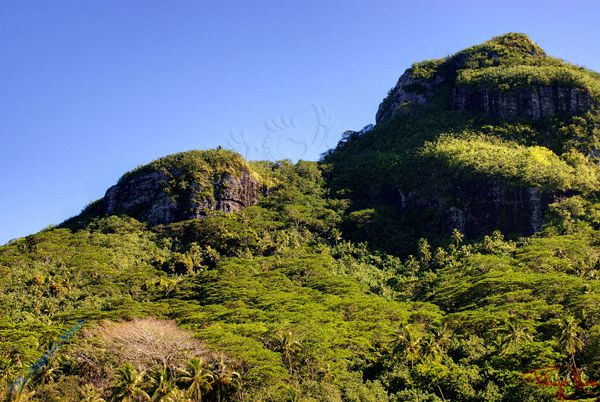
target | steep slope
[
  {"x": 183, "y": 186},
  {"x": 485, "y": 139},
  {"x": 244, "y": 282},
  {"x": 508, "y": 76}
]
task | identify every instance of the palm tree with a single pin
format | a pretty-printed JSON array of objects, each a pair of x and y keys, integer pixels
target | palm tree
[
  {"x": 437, "y": 341},
  {"x": 129, "y": 386},
  {"x": 7, "y": 368},
  {"x": 457, "y": 237},
  {"x": 226, "y": 379},
  {"x": 424, "y": 251},
  {"x": 161, "y": 385},
  {"x": 89, "y": 393},
  {"x": 177, "y": 395},
  {"x": 570, "y": 337},
  {"x": 48, "y": 372},
  {"x": 289, "y": 347},
  {"x": 412, "y": 265},
  {"x": 326, "y": 373},
  {"x": 197, "y": 378},
  {"x": 431, "y": 349},
  {"x": 516, "y": 333},
  {"x": 409, "y": 344}
]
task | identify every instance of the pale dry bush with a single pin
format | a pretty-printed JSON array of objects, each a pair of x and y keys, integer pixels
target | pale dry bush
[{"x": 147, "y": 343}]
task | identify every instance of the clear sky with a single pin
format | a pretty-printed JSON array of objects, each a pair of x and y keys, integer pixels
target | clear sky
[{"x": 91, "y": 89}]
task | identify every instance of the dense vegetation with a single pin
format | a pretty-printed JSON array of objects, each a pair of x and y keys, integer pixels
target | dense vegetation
[
  {"x": 525, "y": 76},
  {"x": 423, "y": 155},
  {"x": 325, "y": 290},
  {"x": 529, "y": 166},
  {"x": 199, "y": 165}
]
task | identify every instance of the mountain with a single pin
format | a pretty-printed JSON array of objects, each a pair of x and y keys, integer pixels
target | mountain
[
  {"x": 449, "y": 252},
  {"x": 182, "y": 186},
  {"x": 481, "y": 140}
]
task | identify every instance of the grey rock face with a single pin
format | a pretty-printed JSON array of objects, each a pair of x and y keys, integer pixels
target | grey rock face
[
  {"x": 536, "y": 206},
  {"x": 489, "y": 205},
  {"x": 477, "y": 207},
  {"x": 408, "y": 91},
  {"x": 533, "y": 103},
  {"x": 143, "y": 195},
  {"x": 235, "y": 193}
]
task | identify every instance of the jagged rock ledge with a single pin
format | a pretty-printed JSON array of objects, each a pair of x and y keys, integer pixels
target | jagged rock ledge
[
  {"x": 183, "y": 186},
  {"x": 553, "y": 86},
  {"x": 534, "y": 103},
  {"x": 144, "y": 197}
]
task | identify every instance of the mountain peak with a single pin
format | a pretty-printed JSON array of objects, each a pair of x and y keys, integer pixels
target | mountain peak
[
  {"x": 516, "y": 43},
  {"x": 182, "y": 186},
  {"x": 507, "y": 76}
]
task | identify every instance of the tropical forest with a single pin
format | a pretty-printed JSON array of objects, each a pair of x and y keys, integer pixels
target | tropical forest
[{"x": 449, "y": 252}]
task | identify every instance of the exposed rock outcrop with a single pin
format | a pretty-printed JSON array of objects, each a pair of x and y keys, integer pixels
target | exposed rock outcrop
[
  {"x": 143, "y": 196},
  {"x": 533, "y": 103},
  {"x": 409, "y": 91},
  {"x": 547, "y": 87},
  {"x": 476, "y": 207},
  {"x": 166, "y": 192}
]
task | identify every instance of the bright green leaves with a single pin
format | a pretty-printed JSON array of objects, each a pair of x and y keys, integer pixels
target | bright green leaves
[{"x": 517, "y": 164}]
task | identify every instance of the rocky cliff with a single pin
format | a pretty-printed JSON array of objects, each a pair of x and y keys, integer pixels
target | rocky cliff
[
  {"x": 524, "y": 128},
  {"x": 476, "y": 207},
  {"x": 409, "y": 91},
  {"x": 184, "y": 186},
  {"x": 535, "y": 103},
  {"x": 520, "y": 82}
]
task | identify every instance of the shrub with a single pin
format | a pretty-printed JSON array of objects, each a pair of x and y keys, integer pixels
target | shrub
[{"x": 147, "y": 343}]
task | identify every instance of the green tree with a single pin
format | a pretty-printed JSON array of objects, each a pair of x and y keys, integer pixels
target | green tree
[
  {"x": 178, "y": 395},
  {"x": 288, "y": 344},
  {"x": 409, "y": 343},
  {"x": 48, "y": 372},
  {"x": 457, "y": 237},
  {"x": 424, "y": 252},
  {"x": 436, "y": 342},
  {"x": 197, "y": 378},
  {"x": 7, "y": 368},
  {"x": 226, "y": 380},
  {"x": 89, "y": 393},
  {"x": 412, "y": 265},
  {"x": 515, "y": 334},
  {"x": 570, "y": 339},
  {"x": 161, "y": 385},
  {"x": 129, "y": 386}
]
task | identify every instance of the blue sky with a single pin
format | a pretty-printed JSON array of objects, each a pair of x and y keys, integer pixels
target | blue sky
[{"x": 91, "y": 89}]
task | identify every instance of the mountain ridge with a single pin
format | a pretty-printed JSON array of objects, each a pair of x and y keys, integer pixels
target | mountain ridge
[
  {"x": 543, "y": 123},
  {"x": 450, "y": 252}
]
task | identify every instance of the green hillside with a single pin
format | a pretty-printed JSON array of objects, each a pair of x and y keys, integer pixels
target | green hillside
[
  {"x": 452, "y": 253},
  {"x": 527, "y": 121}
]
